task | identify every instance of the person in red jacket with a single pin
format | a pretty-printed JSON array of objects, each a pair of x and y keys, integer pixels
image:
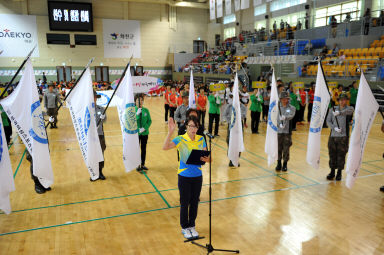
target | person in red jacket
[
  {"x": 201, "y": 105},
  {"x": 172, "y": 102},
  {"x": 311, "y": 95},
  {"x": 303, "y": 102}
]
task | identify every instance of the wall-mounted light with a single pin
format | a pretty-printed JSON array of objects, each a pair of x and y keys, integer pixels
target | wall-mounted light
[
  {"x": 63, "y": 63},
  {"x": 101, "y": 63},
  {"x": 13, "y": 60},
  {"x": 52, "y": 59}
]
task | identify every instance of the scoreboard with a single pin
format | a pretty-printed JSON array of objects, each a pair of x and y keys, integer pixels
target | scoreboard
[{"x": 70, "y": 16}]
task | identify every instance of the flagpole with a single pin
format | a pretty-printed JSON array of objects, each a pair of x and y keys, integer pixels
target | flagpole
[
  {"x": 326, "y": 83},
  {"x": 17, "y": 72},
  {"x": 121, "y": 78},
  {"x": 77, "y": 81}
]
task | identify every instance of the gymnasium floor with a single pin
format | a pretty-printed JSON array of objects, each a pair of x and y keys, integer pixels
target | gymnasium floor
[{"x": 255, "y": 210}]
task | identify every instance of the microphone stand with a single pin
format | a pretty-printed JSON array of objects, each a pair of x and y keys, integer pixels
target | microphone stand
[{"x": 209, "y": 246}]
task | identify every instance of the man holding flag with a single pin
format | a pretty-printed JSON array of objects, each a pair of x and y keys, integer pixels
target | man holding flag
[
  {"x": 319, "y": 108},
  {"x": 366, "y": 109},
  {"x": 338, "y": 140},
  {"x": 24, "y": 110},
  {"x": 81, "y": 104},
  {"x": 284, "y": 118},
  {"x": 235, "y": 127}
]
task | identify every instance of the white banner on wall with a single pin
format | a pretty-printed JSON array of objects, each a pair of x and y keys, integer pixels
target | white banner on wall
[
  {"x": 244, "y": 4},
  {"x": 121, "y": 38},
  {"x": 212, "y": 14},
  {"x": 18, "y": 35},
  {"x": 228, "y": 7},
  {"x": 219, "y": 7},
  {"x": 256, "y": 3},
  {"x": 237, "y": 5}
]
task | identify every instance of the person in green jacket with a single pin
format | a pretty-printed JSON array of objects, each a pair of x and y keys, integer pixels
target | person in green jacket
[
  {"x": 256, "y": 108},
  {"x": 7, "y": 125},
  {"x": 295, "y": 103},
  {"x": 214, "y": 112},
  {"x": 353, "y": 94},
  {"x": 143, "y": 123}
]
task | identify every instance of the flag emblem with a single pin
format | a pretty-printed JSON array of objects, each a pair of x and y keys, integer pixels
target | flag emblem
[
  {"x": 315, "y": 125},
  {"x": 129, "y": 119},
  {"x": 272, "y": 111},
  {"x": 38, "y": 127},
  {"x": 233, "y": 117},
  {"x": 87, "y": 120}
]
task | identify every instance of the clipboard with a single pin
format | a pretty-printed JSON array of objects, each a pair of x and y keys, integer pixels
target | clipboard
[{"x": 194, "y": 157}]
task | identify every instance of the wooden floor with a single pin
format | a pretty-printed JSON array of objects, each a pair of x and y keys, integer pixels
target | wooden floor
[{"x": 255, "y": 210}]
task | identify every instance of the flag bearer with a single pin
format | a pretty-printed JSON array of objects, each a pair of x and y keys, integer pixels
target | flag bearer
[
  {"x": 51, "y": 103},
  {"x": 38, "y": 187},
  {"x": 284, "y": 122},
  {"x": 338, "y": 139},
  {"x": 99, "y": 110},
  {"x": 144, "y": 121},
  {"x": 181, "y": 111}
]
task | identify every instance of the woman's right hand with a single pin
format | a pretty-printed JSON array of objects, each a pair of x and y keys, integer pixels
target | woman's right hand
[{"x": 171, "y": 125}]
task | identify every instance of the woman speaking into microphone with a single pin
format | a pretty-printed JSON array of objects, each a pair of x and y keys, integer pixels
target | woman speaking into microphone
[{"x": 190, "y": 177}]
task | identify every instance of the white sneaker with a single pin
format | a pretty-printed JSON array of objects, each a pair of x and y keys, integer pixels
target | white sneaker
[
  {"x": 186, "y": 233},
  {"x": 194, "y": 233}
]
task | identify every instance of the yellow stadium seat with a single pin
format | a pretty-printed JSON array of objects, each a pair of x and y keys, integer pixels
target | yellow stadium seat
[
  {"x": 356, "y": 53},
  {"x": 382, "y": 37},
  {"x": 364, "y": 52},
  {"x": 374, "y": 44},
  {"x": 341, "y": 52},
  {"x": 381, "y": 43},
  {"x": 370, "y": 52},
  {"x": 381, "y": 54},
  {"x": 376, "y": 53}
]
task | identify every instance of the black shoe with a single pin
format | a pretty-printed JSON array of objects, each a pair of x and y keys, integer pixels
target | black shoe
[
  {"x": 338, "y": 176},
  {"x": 144, "y": 168},
  {"x": 39, "y": 189},
  {"x": 138, "y": 169},
  {"x": 101, "y": 176},
  {"x": 331, "y": 175},
  {"x": 230, "y": 164},
  {"x": 285, "y": 169},
  {"x": 278, "y": 167},
  {"x": 54, "y": 126},
  {"x": 48, "y": 189},
  {"x": 382, "y": 188},
  {"x": 51, "y": 127}
]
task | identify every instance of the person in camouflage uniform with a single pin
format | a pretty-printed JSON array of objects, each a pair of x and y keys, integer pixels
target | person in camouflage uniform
[
  {"x": 284, "y": 119},
  {"x": 39, "y": 188},
  {"x": 338, "y": 139},
  {"x": 51, "y": 103}
]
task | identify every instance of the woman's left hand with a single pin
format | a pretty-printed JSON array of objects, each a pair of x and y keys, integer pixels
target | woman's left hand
[{"x": 205, "y": 159}]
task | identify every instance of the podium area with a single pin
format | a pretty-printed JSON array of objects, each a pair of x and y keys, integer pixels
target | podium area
[{"x": 255, "y": 209}]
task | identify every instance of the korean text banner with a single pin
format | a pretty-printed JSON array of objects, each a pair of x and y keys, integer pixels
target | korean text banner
[{"x": 121, "y": 38}]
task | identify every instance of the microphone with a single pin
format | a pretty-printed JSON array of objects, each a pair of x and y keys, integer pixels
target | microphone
[{"x": 209, "y": 135}]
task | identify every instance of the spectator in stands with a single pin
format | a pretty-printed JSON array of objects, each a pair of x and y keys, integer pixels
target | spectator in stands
[
  {"x": 348, "y": 18},
  {"x": 366, "y": 21},
  {"x": 44, "y": 78},
  {"x": 333, "y": 23},
  {"x": 306, "y": 21},
  {"x": 281, "y": 25},
  {"x": 308, "y": 47},
  {"x": 335, "y": 51},
  {"x": 381, "y": 18},
  {"x": 275, "y": 28},
  {"x": 324, "y": 52},
  {"x": 298, "y": 25}
]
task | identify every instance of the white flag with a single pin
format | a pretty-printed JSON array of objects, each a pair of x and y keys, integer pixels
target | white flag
[
  {"x": 365, "y": 113},
  {"x": 212, "y": 9},
  {"x": 192, "y": 99},
  {"x": 319, "y": 111},
  {"x": 6, "y": 179},
  {"x": 82, "y": 108},
  {"x": 24, "y": 110},
  {"x": 236, "y": 143},
  {"x": 127, "y": 115},
  {"x": 271, "y": 144},
  {"x": 228, "y": 7}
]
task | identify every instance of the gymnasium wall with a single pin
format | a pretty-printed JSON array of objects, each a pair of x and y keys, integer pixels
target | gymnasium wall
[{"x": 157, "y": 38}]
